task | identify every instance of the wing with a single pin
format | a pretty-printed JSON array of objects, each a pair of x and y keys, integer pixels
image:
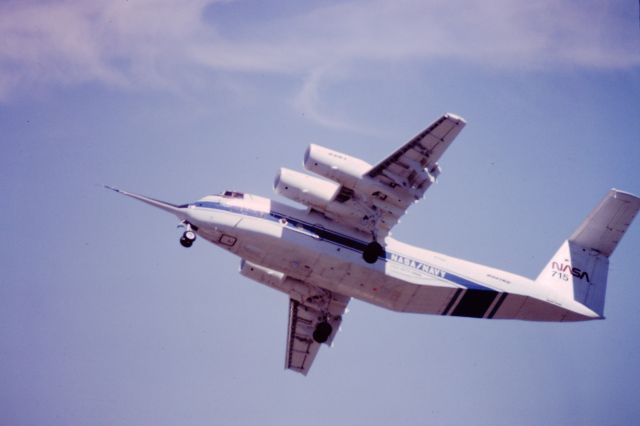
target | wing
[
  {"x": 309, "y": 325},
  {"x": 369, "y": 198},
  {"x": 414, "y": 166},
  {"x": 315, "y": 314},
  {"x": 386, "y": 191}
]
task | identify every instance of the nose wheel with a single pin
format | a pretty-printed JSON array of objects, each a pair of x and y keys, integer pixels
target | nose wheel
[{"x": 188, "y": 236}]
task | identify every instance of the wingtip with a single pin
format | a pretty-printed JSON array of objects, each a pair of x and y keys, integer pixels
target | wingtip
[
  {"x": 455, "y": 117},
  {"x": 617, "y": 193}
]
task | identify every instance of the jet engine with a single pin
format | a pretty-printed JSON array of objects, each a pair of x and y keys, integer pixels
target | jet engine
[
  {"x": 338, "y": 167},
  {"x": 308, "y": 190},
  {"x": 297, "y": 290},
  {"x": 318, "y": 194},
  {"x": 352, "y": 172}
]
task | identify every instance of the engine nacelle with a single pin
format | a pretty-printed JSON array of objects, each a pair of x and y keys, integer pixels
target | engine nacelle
[
  {"x": 338, "y": 167},
  {"x": 297, "y": 290},
  {"x": 308, "y": 190},
  {"x": 351, "y": 172},
  {"x": 316, "y": 193}
]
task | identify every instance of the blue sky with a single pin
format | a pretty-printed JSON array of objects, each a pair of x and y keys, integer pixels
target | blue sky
[{"x": 105, "y": 319}]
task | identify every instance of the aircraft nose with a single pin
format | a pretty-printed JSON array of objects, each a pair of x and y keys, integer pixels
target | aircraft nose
[{"x": 212, "y": 218}]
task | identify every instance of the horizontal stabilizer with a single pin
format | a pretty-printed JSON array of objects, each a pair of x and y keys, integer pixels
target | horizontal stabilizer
[{"x": 606, "y": 224}]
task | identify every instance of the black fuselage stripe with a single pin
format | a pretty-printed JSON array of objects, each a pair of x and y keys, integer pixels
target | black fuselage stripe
[
  {"x": 497, "y": 305},
  {"x": 337, "y": 238},
  {"x": 452, "y": 302},
  {"x": 474, "y": 303},
  {"x": 334, "y": 237}
]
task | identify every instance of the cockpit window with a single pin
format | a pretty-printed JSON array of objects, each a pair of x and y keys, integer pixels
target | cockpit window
[{"x": 232, "y": 194}]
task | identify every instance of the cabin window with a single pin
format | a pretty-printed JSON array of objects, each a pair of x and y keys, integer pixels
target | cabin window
[{"x": 232, "y": 194}]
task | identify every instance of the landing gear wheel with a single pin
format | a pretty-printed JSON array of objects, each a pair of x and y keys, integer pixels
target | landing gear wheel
[
  {"x": 372, "y": 252},
  {"x": 322, "y": 332},
  {"x": 187, "y": 238}
]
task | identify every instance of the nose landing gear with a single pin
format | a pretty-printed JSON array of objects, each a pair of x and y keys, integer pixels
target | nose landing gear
[{"x": 188, "y": 237}]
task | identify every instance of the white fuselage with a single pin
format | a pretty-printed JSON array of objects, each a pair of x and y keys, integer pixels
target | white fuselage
[{"x": 305, "y": 246}]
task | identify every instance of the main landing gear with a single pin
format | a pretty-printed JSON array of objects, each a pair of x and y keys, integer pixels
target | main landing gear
[
  {"x": 371, "y": 253},
  {"x": 322, "y": 332},
  {"x": 188, "y": 237}
]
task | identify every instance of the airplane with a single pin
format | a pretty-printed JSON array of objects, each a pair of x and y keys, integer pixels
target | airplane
[{"x": 339, "y": 246}]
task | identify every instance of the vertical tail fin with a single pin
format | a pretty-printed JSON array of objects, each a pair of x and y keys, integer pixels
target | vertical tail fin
[{"x": 579, "y": 268}]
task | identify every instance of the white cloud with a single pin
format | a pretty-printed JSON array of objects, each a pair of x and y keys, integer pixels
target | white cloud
[
  {"x": 169, "y": 44},
  {"x": 307, "y": 100}
]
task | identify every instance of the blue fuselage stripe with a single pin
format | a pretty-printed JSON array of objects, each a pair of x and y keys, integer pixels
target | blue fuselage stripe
[{"x": 464, "y": 282}]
